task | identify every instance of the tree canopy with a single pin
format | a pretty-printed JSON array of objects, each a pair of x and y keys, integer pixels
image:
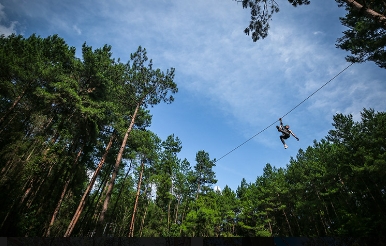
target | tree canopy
[{"x": 71, "y": 140}]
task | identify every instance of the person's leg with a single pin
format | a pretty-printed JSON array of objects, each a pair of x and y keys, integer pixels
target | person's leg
[{"x": 282, "y": 137}]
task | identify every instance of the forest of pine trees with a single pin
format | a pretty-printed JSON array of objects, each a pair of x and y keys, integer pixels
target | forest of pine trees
[{"x": 77, "y": 159}]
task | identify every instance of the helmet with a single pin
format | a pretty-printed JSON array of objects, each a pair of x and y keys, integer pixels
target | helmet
[{"x": 287, "y": 126}]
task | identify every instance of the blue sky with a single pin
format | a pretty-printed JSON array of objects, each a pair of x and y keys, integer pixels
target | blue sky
[{"x": 230, "y": 88}]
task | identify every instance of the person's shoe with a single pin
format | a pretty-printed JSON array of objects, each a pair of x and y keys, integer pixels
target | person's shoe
[{"x": 285, "y": 146}]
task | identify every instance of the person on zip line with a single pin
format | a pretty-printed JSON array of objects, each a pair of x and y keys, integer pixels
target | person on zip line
[{"x": 286, "y": 133}]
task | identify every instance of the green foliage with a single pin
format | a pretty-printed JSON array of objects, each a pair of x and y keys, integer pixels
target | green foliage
[
  {"x": 366, "y": 35},
  {"x": 261, "y": 14}
]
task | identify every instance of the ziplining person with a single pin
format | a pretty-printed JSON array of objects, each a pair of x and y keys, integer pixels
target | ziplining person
[
  {"x": 286, "y": 132},
  {"x": 286, "y": 114}
]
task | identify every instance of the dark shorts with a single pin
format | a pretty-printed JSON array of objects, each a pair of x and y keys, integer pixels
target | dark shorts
[{"x": 285, "y": 136}]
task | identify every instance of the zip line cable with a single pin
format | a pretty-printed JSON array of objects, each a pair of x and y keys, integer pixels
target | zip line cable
[{"x": 287, "y": 112}]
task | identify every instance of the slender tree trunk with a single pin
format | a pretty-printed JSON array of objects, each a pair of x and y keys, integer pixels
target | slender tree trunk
[
  {"x": 182, "y": 218},
  {"x": 325, "y": 207},
  {"x": 86, "y": 192},
  {"x": 98, "y": 208},
  {"x": 86, "y": 220},
  {"x": 147, "y": 206},
  {"x": 177, "y": 205},
  {"x": 324, "y": 225},
  {"x": 14, "y": 161},
  {"x": 115, "y": 171},
  {"x": 52, "y": 141},
  {"x": 143, "y": 219},
  {"x": 198, "y": 190},
  {"x": 297, "y": 223},
  {"x": 17, "y": 204},
  {"x": 9, "y": 122},
  {"x": 57, "y": 208},
  {"x": 64, "y": 192},
  {"x": 40, "y": 182},
  {"x": 285, "y": 215},
  {"x": 170, "y": 201},
  {"x": 16, "y": 102},
  {"x": 131, "y": 231},
  {"x": 289, "y": 226},
  {"x": 122, "y": 188},
  {"x": 270, "y": 227},
  {"x": 8, "y": 168},
  {"x": 35, "y": 181}
]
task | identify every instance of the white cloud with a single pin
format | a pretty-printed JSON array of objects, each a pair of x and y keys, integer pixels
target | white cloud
[
  {"x": 8, "y": 30},
  {"x": 4, "y": 29},
  {"x": 2, "y": 14},
  {"x": 318, "y": 33},
  {"x": 217, "y": 188},
  {"x": 77, "y": 29}
]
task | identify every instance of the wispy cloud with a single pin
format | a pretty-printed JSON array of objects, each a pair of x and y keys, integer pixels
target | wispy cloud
[
  {"x": 204, "y": 41},
  {"x": 2, "y": 14},
  {"x": 77, "y": 29}
]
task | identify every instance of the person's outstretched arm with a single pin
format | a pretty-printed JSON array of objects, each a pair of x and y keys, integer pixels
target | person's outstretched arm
[{"x": 293, "y": 134}]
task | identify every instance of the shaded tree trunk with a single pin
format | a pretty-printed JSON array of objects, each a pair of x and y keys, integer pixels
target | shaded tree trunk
[
  {"x": 131, "y": 231},
  {"x": 177, "y": 205},
  {"x": 10, "y": 109},
  {"x": 143, "y": 219},
  {"x": 65, "y": 188},
  {"x": 86, "y": 192},
  {"x": 122, "y": 188},
  {"x": 115, "y": 171}
]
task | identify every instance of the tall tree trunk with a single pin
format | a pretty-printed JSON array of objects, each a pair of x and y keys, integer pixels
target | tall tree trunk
[
  {"x": 17, "y": 205},
  {"x": 14, "y": 104},
  {"x": 297, "y": 222},
  {"x": 122, "y": 188},
  {"x": 39, "y": 181},
  {"x": 176, "y": 214},
  {"x": 86, "y": 192},
  {"x": 131, "y": 231},
  {"x": 183, "y": 216},
  {"x": 115, "y": 171},
  {"x": 57, "y": 208},
  {"x": 323, "y": 223},
  {"x": 285, "y": 215},
  {"x": 286, "y": 218},
  {"x": 170, "y": 201},
  {"x": 198, "y": 190},
  {"x": 101, "y": 193},
  {"x": 86, "y": 219},
  {"x": 269, "y": 223},
  {"x": 65, "y": 188},
  {"x": 325, "y": 207},
  {"x": 94, "y": 205},
  {"x": 143, "y": 219}
]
